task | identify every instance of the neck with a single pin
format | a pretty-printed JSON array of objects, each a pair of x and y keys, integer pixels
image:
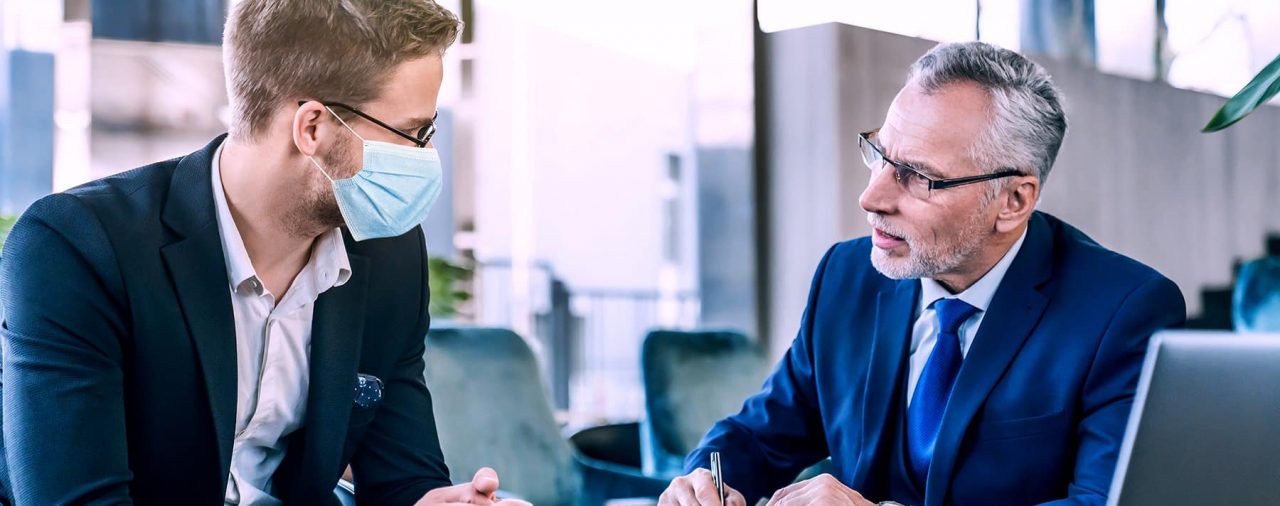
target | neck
[
  {"x": 993, "y": 250},
  {"x": 261, "y": 190}
]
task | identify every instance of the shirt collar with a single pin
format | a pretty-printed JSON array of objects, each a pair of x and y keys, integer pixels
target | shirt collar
[
  {"x": 329, "y": 256},
  {"x": 978, "y": 295},
  {"x": 328, "y": 260}
]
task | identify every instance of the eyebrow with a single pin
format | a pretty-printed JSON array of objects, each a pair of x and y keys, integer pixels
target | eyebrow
[
  {"x": 923, "y": 168},
  {"x": 920, "y": 166},
  {"x": 419, "y": 121}
]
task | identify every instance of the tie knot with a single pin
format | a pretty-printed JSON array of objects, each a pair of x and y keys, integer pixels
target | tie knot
[{"x": 952, "y": 313}]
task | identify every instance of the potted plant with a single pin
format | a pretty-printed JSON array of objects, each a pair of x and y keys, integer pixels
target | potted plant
[
  {"x": 447, "y": 282},
  {"x": 1257, "y": 292}
]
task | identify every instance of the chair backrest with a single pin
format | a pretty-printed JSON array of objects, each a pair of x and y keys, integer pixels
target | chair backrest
[
  {"x": 492, "y": 409},
  {"x": 692, "y": 380},
  {"x": 1256, "y": 302}
]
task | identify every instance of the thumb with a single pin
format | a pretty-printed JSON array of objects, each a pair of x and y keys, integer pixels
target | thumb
[{"x": 485, "y": 482}]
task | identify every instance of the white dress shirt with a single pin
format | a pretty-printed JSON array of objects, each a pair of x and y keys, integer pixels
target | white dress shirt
[
  {"x": 925, "y": 332},
  {"x": 273, "y": 347}
]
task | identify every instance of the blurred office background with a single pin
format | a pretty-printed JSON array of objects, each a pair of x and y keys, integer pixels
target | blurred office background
[{"x": 619, "y": 167}]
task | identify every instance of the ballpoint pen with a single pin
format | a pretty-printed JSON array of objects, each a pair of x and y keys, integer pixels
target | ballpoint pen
[{"x": 717, "y": 476}]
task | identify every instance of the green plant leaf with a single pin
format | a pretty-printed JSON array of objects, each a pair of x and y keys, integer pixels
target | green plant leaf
[
  {"x": 6, "y": 223},
  {"x": 1263, "y": 86},
  {"x": 447, "y": 282}
]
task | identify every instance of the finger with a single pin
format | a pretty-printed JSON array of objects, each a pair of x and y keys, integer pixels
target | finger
[
  {"x": 684, "y": 496},
  {"x": 447, "y": 495},
  {"x": 705, "y": 491},
  {"x": 833, "y": 487},
  {"x": 513, "y": 502},
  {"x": 734, "y": 498},
  {"x": 809, "y": 496},
  {"x": 791, "y": 489},
  {"x": 671, "y": 496},
  {"x": 485, "y": 482},
  {"x": 825, "y": 489},
  {"x": 682, "y": 489}
]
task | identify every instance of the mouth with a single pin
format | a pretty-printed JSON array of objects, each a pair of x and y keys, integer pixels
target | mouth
[{"x": 885, "y": 240}]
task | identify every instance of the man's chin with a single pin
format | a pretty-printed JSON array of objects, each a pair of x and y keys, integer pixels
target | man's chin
[
  {"x": 892, "y": 266},
  {"x": 330, "y": 216}
]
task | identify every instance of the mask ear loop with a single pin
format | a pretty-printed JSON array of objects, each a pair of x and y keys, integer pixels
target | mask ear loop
[
  {"x": 353, "y": 132},
  {"x": 322, "y": 171},
  {"x": 344, "y": 123}
]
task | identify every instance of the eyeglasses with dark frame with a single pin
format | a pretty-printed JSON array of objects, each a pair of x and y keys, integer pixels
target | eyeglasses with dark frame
[
  {"x": 910, "y": 178},
  {"x": 421, "y": 139}
]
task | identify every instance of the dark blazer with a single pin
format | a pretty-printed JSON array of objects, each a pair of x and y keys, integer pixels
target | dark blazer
[
  {"x": 119, "y": 371},
  {"x": 1038, "y": 410}
]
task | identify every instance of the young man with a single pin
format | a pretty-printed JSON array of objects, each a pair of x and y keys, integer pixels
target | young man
[{"x": 238, "y": 325}]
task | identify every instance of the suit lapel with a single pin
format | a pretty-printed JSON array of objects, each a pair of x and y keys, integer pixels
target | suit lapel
[
  {"x": 336, "y": 333},
  {"x": 199, "y": 274},
  {"x": 895, "y": 310},
  {"x": 1012, "y": 315}
]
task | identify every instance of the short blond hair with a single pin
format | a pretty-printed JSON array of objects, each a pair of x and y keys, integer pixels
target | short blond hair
[{"x": 338, "y": 50}]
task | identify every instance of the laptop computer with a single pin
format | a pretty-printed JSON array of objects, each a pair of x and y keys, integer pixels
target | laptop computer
[{"x": 1205, "y": 425}]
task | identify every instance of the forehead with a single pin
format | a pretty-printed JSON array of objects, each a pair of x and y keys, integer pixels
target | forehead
[
  {"x": 411, "y": 89},
  {"x": 937, "y": 129}
]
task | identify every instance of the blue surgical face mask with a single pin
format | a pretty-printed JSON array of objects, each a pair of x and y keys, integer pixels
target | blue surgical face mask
[{"x": 392, "y": 193}]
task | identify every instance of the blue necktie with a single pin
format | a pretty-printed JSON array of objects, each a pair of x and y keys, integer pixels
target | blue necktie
[{"x": 924, "y": 415}]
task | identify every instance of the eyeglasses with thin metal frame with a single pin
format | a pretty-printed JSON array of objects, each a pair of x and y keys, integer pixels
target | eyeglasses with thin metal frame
[
  {"x": 420, "y": 139},
  {"x": 910, "y": 178}
]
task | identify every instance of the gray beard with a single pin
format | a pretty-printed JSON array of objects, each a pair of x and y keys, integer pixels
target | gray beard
[{"x": 921, "y": 263}]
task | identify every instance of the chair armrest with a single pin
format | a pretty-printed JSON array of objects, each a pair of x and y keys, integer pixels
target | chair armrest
[
  {"x": 609, "y": 458},
  {"x": 617, "y": 443}
]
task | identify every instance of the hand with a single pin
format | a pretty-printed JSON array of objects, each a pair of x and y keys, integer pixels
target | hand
[
  {"x": 825, "y": 490},
  {"x": 482, "y": 490},
  {"x": 698, "y": 489}
]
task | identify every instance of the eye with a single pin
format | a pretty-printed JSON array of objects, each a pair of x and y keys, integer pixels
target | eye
[{"x": 910, "y": 177}]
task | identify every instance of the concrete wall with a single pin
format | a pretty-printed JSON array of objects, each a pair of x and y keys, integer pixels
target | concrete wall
[
  {"x": 572, "y": 138},
  {"x": 1134, "y": 172}
]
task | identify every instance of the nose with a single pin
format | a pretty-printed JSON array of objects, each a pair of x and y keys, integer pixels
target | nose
[{"x": 882, "y": 193}]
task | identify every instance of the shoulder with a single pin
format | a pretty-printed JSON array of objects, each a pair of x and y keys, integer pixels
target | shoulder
[
  {"x": 128, "y": 195},
  {"x": 84, "y": 221},
  {"x": 1078, "y": 254},
  {"x": 1088, "y": 269}
]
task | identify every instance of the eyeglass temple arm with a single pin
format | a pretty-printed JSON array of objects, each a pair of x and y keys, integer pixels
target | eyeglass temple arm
[
  {"x": 374, "y": 120},
  {"x": 947, "y": 183}
]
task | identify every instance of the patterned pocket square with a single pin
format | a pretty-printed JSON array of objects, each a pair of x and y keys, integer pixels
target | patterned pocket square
[{"x": 368, "y": 390}]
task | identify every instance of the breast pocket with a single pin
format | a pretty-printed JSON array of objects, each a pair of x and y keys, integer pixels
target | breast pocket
[{"x": 995, "y": 430}]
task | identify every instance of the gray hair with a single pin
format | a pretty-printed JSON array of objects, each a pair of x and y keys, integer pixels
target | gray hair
[{"x": 1027, "y": 124}]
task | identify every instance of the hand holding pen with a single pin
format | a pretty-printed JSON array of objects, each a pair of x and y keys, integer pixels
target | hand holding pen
[{"x": 702, "y": 487}]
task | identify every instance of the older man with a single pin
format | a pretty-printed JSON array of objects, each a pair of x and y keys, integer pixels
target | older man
[{"x": 972, "y": 351}]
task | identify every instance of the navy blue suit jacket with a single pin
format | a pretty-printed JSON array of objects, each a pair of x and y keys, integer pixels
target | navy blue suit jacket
[
  {"x": 119, "y": 371},
  {"x": 1038, "y": 410}
]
